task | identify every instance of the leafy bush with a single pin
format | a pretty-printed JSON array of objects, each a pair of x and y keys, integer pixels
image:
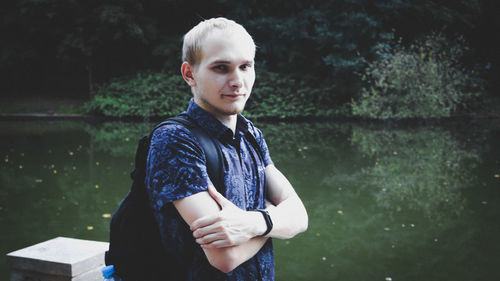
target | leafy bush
[
  {"x": 145, "y": 95},
  {"x": 283, "y": 96},
  {"x": 160, "y": 94},
  {"x": 424, "y": 80}
]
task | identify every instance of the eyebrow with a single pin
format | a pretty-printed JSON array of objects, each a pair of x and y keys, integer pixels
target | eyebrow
[{"x": 229, "y": 62}]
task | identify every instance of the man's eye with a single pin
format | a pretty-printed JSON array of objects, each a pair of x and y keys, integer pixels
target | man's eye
[
  {"x": 245, "y": 66},
  {"x": 220, "y": 67}
]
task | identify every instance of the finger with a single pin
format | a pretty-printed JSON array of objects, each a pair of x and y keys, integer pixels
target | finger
[
  {"x": 219, "y": 198},
  {"x": 202, "y": 231},
  {"x": 217, "y": 244},
  {"x": 204, "y": 221},
  {"x": 210, "y": 238}
]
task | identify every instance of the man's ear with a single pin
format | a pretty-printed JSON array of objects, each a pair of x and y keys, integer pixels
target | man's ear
[{"x": 187, "y": 71}]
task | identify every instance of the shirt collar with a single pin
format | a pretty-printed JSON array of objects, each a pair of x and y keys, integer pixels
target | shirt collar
[{"x": 214, "y": 126}]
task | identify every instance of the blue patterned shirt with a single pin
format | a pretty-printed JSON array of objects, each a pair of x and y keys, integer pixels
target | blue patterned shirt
[{"x": 176, "y": 169}]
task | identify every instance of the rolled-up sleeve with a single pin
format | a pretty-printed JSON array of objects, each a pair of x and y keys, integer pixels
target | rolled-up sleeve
[{"x": 176, "y": 166}]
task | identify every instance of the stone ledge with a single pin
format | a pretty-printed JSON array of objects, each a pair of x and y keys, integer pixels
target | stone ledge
[{"x": 61, "y": 256}]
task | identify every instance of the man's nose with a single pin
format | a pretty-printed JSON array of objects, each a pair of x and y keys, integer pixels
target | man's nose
[{"x": 236, "y": 79}]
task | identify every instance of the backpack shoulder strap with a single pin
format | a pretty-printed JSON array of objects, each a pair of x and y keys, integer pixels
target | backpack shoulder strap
[
  {"x": 212, "y": 151},
  {"x": 141, "y": 155},
  {"x": 253, "y": 141}
]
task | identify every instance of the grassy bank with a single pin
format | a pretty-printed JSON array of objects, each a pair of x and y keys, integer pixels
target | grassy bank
[
  {"x": 155, "y": 95},
  {"x": 62, "y": 106},
  {"x": 42, "y": 105},
  {"x": 149, "y": 95}
]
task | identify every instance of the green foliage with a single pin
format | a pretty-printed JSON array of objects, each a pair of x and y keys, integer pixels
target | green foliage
[
  {"x": 160, "y": 94},
  {"x": 93, "y": 28},
  {"x": 70, "y": 45},
  {"x": 318, "y": 37},
  {"x": 279, "y": 95},
  {"x": 423, "y": 80},
  {"x": 333, "y": 36},
  {"x": 145, "y": 95}
]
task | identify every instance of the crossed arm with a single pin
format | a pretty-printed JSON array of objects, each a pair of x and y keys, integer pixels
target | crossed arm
[{"x": 228, "y": 235}]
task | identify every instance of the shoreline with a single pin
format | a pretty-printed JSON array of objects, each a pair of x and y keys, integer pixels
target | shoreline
[{"x": 271, "y": 119}]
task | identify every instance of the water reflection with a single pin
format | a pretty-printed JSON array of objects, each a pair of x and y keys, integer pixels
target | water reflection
[
  {"x": 421, "y": 170},
  {"x": 383, "y": 203},
  {"x": 387, "y": 203},
  {"x": 118, "y": 139}
]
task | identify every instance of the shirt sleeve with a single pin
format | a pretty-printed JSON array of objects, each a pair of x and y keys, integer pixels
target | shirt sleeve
[{"x": 176, "y": 166}]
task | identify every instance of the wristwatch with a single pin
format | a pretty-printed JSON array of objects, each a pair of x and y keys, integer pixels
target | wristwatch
[{"x": 268, "y": 220}]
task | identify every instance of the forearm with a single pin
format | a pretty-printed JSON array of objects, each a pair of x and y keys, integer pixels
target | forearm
[
  {"x": 250, "y": 248},
  {"x": 227, "y": 236},
  {"x": 228, "y": 258},
  {"x": 289, "y": 218},
  {"x": 289, "y": 215}
]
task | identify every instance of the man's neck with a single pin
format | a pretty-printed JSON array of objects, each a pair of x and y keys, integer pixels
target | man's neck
[{"x": 229, "y": 120}]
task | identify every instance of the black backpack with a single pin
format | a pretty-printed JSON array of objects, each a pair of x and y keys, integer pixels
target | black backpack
[{"x": 135, "y": 247}]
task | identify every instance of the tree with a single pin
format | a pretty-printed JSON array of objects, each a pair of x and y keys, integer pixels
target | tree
[{"x": 84, "y": 33}]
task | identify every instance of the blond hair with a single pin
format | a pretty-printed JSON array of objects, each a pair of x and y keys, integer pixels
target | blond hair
[{"x": 193, "y": 40}]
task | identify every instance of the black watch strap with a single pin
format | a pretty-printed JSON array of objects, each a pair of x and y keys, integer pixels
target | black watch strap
[{"x": 267, "y": 218}]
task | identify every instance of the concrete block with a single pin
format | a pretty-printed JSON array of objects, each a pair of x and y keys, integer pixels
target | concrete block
[{"x": 60, "y": 258}]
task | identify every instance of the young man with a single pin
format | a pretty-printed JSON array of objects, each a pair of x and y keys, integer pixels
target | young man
[{"x": 209, "y": 235}]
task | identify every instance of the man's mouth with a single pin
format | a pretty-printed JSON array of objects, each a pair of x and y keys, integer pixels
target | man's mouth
[{"x": 233, "y": 95}]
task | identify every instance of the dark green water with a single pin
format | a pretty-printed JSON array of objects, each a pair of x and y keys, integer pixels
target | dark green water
[{"x": 405, "y": 203}]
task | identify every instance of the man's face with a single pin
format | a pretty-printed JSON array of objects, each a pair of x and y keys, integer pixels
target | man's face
[{"x": 225, "y": 74}]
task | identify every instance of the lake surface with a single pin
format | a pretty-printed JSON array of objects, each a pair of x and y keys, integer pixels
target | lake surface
[{"x": 419, "y": 202}]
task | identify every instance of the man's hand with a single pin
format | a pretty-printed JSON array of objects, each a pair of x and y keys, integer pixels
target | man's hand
[{"x": 231, "y": 226}]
